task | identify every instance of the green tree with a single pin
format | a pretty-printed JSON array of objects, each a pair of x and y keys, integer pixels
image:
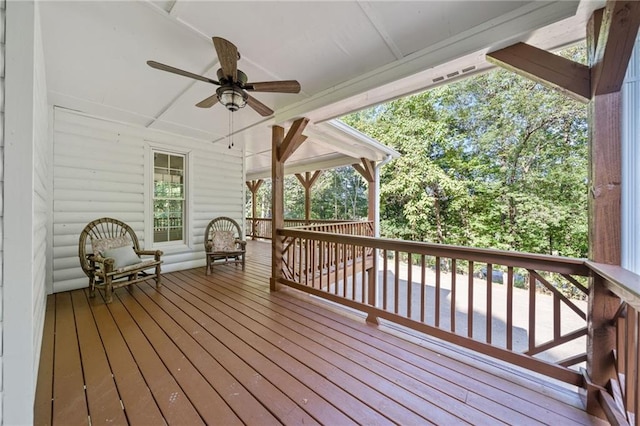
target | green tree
[{"x": 492, "y": 161}]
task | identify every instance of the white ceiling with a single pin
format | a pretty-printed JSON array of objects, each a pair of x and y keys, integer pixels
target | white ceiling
[{"x": 346, "y": 55}]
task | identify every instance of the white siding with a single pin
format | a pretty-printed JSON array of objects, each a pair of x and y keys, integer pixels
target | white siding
[
  {"x": 26, "y": 210},
  {"x": 100, "y": 168},
  {"x": 630, "y": 163}
]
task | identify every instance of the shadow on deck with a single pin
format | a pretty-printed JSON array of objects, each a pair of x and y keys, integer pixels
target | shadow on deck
[{"x": 222, "y": 349}]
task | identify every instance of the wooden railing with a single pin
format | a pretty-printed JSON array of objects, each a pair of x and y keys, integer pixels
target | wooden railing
[
  {"x": 527, "y": 309},
  {"x": 621, "y": 397},
  {"x": 536, "y": 318},
  {"x": 261, "y": 227}
]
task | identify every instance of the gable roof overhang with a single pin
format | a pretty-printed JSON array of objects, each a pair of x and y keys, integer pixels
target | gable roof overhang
[{"x": 329, "y": 145}]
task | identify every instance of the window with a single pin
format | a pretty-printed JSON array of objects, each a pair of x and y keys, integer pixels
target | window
[{"x": 168, "y": 197}]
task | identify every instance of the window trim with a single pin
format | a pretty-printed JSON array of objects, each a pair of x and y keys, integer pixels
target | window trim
[{"x": 187, "y": 241}]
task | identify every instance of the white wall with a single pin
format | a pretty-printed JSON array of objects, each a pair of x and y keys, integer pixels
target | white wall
[
  {"x": 26, "y": 190},
  {"x": 101, "y": 168},
  {"x": 631, "y": 164}
]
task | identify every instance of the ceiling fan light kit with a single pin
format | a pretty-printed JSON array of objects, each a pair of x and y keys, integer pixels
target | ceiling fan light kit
[
  {"x": 231, "y": 98},
  {"x": 232, "y": 93}
]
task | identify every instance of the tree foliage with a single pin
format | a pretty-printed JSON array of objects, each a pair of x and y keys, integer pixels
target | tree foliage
[{"x": 492, "y": 161}]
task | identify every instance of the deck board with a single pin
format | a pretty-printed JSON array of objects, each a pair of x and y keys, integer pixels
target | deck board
[
  {"x": 102, "y": 394},
  {"x": 304, "y": 343},
  {"x": 222, "y": 349},
  {"x": 138, "y": 402},
  {"x": 70, "y": 404}
]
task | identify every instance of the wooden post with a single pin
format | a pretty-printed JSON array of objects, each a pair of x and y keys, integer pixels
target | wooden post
[
  {"x": 307, "y": 182},
  {"x": 277, "y": 205},
  {"x": 610, "y": 36},
  {"x": 253, "y": 186},
  {"x": 367, "y": 169},
  {"x": 281, "y": 149}
]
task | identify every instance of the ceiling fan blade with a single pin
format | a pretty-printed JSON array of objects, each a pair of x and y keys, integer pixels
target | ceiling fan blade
[
  {"x": 285, "y": 86},
  {"x": 258, "y": 106},
  {"x": 168, "y": 68},
  {"x": 209, "y": 102},
  {"x": 228, "y": 56}
]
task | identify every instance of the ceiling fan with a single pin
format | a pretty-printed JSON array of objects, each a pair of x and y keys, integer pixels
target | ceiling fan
[{"x": 232, "y": 92}]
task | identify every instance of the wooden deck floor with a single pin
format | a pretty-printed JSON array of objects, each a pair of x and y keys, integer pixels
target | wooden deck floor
[{"x": 221, "y": 349}]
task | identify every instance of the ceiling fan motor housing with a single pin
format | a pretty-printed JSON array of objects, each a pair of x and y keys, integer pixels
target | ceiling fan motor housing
[
  {"x": 232, "y": 97},
  {"x": 241, "y": 78}
]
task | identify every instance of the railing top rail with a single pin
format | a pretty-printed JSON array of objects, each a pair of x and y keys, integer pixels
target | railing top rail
[
  {"x": 563, "y": 265},
  {"x": 303, "y": 220},
  {"x": 624, "y": 283},
  {"x": 312, "y": 225}
]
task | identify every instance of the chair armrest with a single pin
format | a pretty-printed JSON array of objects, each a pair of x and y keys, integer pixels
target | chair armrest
[
  {"x": 241, "y": 243},
  {"x": 155, "y": 253},
  {"x": 106, "y": 262}
]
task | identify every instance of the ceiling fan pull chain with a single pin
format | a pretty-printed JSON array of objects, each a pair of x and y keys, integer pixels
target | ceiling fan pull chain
[{"x": 230, "y": 144}]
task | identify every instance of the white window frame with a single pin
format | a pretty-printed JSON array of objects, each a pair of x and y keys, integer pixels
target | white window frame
[{"x": 168, "y": 246}]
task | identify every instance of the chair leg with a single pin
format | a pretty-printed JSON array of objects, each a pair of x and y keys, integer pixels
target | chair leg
[
  {"x": 208, "y": 271},
  {"x": 243, "y": 261},
  {"x": 108, "y": 290},
  {"x": 158, "y": 277},
  {"x": 92, "y": 287}
]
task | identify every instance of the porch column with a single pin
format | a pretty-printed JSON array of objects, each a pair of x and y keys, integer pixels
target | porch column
[
  {"x": 253, "y": 186},
  {"x": 611, "y": 34},
  {"x": 307, "y": 182},
  {"x": 367, "y": 169},
  {"x": 281, "y": 149}
]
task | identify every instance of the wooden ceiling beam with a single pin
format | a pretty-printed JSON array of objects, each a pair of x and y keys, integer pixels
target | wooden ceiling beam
[
  {"x": 293, "y": 139},
  {"x": 544, "y": 67},
  {"x": 616, "y": 38}
]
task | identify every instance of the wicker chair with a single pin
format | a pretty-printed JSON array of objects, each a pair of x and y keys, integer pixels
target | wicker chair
[
  {"x": 110, "y": 256},
  {"x": 223, "y": 243}
]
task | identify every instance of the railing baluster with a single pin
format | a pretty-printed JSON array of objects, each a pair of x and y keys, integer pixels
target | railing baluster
[
  {"x": 363, "y": 277},
  {"x": 396, "y": 288},
  {"x": 313, "y": 261},
  {"x": 353, "y": 272},
  {"x": 409, "y": 283},
  {"x": 335, "y": 268},
  {"x": 556, "y": 317},
  {"x": 453, "y": 295},
  {"x": 385, "y": 268},
  {"x": 532, "y": 311},
  {"x": 422, "y": 287},
  {"x": 470, "y": 302},
  {"x": 345, "y": 266},
  {"x": 437, "y": 309},
  {"x": 509, "y": 329},
  {"x": 321, "y": 262},
  {"x": 489, "y": 314},
  {"x": 306, "y": 261}
]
